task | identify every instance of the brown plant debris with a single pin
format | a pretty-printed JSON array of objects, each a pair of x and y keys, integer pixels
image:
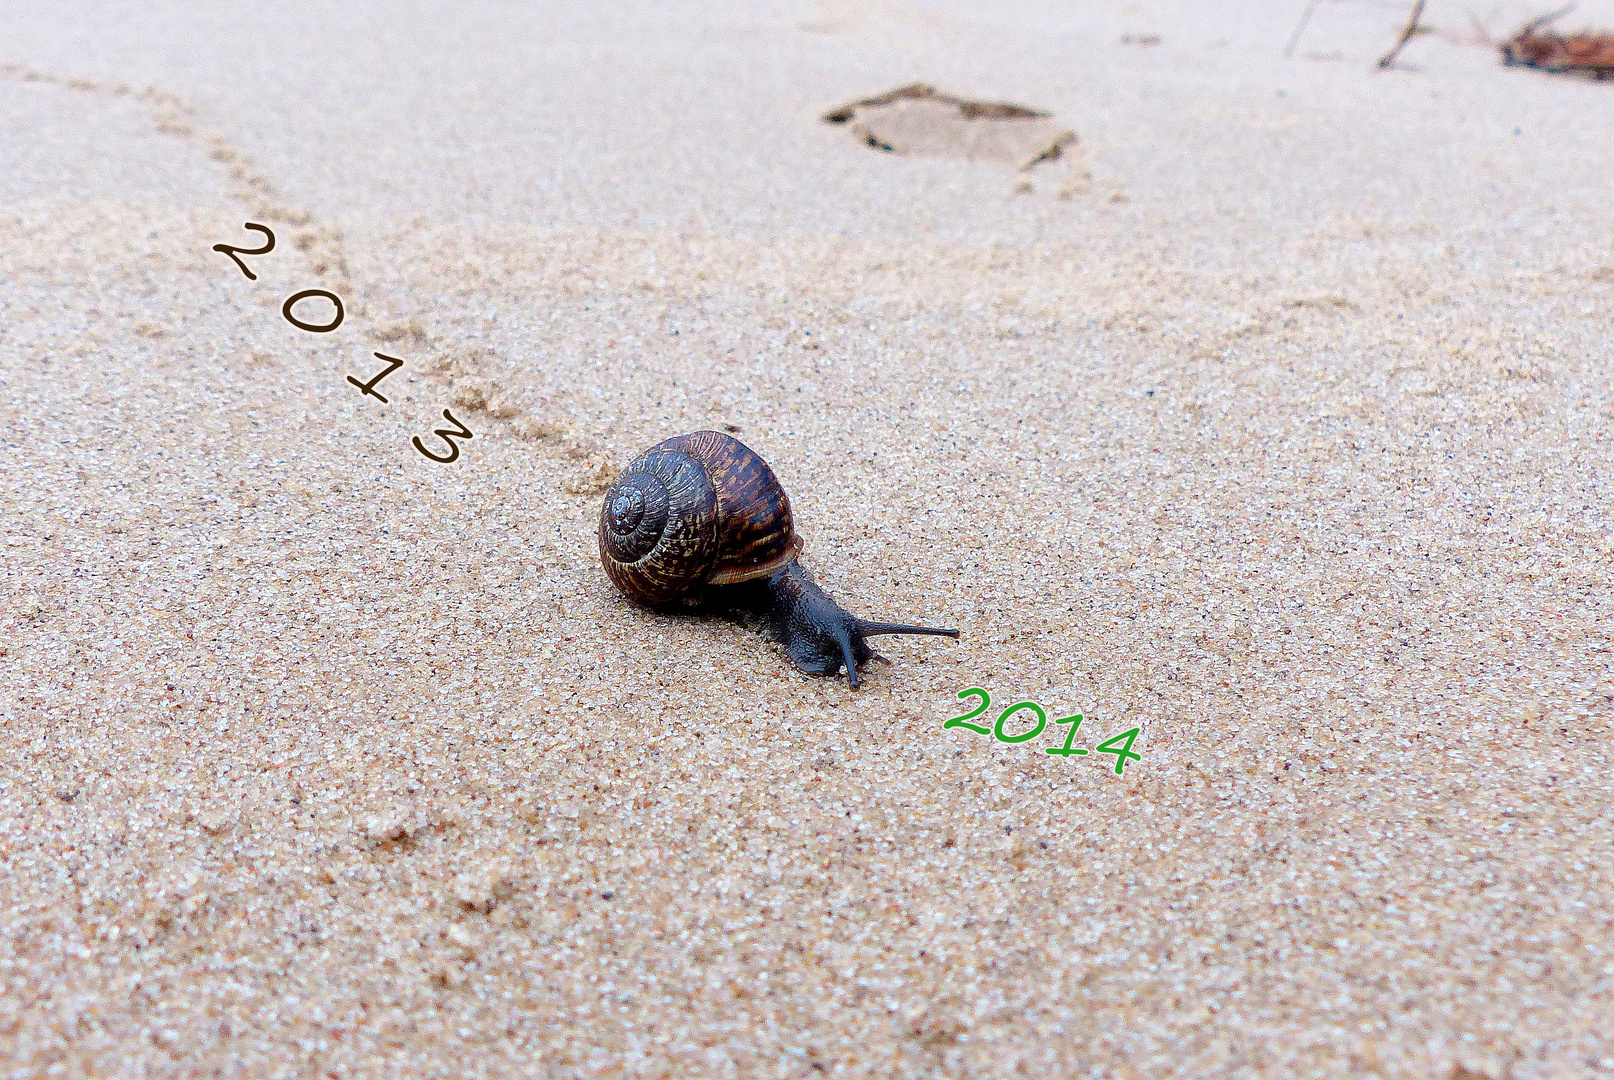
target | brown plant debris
[
  {"x": 1589, "y": 54},
  {"x": 919, "y": 119}
]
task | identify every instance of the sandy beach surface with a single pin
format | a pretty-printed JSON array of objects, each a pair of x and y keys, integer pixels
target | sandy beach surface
[{"x": 1271, "y": 419}]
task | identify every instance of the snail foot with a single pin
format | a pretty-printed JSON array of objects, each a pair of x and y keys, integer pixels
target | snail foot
[{"x": 819, "y": 635}]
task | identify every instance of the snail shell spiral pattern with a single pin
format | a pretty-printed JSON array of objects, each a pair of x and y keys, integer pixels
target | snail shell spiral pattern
[{"x": 693, "y": 511}]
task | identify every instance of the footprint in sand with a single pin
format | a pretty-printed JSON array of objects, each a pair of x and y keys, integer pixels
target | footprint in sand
[{"x": 920, "y": 119}]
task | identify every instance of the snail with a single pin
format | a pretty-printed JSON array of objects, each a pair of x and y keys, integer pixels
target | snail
[{"x": 701, "y": 519}]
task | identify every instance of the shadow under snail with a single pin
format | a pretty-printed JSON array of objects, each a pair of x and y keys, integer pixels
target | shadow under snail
[{"x": 700, "y": 519}]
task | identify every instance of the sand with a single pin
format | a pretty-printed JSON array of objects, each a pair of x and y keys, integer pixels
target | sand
[{"x": 1276, "y": 426}]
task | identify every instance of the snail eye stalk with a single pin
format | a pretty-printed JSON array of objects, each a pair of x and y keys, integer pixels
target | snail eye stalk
[{"x": 870, "y": 629}]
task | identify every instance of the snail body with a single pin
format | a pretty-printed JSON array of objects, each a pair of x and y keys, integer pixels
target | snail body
[{"x": 701, "y": 518}]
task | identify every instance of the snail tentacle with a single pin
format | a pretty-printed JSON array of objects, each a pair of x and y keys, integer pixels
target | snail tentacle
[
  {"x": 846, "y": 655},
  {"x": 870, "y": 629}
]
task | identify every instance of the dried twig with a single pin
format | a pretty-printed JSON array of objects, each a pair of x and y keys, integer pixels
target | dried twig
[
  {"x": 1300, "y": 28},
  {"x": 1412, "y": 30},
  {"x": 1551, "y": 17}
]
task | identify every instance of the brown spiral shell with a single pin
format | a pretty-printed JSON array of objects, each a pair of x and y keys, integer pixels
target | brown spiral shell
[{"x": 692, "y": 511}]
